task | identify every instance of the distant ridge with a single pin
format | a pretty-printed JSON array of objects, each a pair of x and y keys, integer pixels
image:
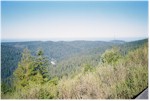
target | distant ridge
[
  {"x": 117, "y": 41},
  {"x": 130, "y": 39}
]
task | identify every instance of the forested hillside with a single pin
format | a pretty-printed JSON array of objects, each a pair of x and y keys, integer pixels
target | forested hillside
[
  {"x": 82, "y": 69},
  {"x": 9, "y": 59},
  {"x": 60, "y": 51}
]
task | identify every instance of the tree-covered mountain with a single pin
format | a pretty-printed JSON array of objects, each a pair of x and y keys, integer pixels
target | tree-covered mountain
[
  {"x": 68, "y": 54},
  {"x": 9, "y": 59},
  {"x": 50, "y": 68},
  {"x": 11, "y": 51},
  {"x": 117, "y": 41}
]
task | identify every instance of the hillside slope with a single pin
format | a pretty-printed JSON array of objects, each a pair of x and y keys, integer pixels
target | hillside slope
[{"x": 113, "y": 76}]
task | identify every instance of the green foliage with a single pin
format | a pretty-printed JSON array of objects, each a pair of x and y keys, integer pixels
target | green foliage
[
  {"x": 5, "y": 88},
  {"x": 40, "y": 53},
  {"x": 48, "y": 91},
  {"x": 54, "y": 81},
  {"x": 41, "y": 65},
  {"x": 61, "y": 51},
  {"x": 9, "y": 59},
  {"x": 124, "y": 82},
  {"x": 111, "y": 56},
  {"x": 88, "y": 68},
  {"x": 136, "y": 73},
  {"x": 30, "y": 69},
  {"x": 22, "y": 73},
  {"x": 97, "y": 81},
  {"x": 77, "y": 51}
]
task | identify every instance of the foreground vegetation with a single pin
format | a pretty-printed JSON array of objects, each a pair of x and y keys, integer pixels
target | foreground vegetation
[
  {"x": 122, "y": 80},
  {"x": 116, "y": 76}
]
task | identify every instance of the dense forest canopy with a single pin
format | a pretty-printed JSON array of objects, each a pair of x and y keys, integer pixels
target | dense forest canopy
[{"x": 26, "y": 65}]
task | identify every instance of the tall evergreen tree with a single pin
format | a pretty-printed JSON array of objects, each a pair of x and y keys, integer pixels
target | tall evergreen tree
[
  {"x": 31, "y": 69},
  {"x": 22, "y": 73},
  {"x": 41, "y": 65}
]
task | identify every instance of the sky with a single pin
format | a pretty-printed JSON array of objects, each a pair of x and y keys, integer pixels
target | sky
[{"x": 64, "y": 20}]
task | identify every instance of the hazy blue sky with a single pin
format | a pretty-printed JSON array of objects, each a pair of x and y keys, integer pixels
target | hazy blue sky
[{"x": 74, "y": 20}]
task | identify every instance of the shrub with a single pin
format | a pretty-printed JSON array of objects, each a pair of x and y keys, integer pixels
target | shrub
[{"x": 111, "y": 56}]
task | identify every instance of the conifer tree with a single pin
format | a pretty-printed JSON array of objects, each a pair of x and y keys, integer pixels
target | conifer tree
[
  {"x": 41, "y": 65},
  {"x": 31, "y": 69},
  {"x": 22, "y": 73}
]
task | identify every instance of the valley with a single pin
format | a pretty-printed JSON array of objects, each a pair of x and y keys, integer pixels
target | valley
[{"x": 65, "y": 62}]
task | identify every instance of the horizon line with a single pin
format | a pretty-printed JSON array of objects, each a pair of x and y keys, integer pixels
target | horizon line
[{"x": 126, "y": 39}]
